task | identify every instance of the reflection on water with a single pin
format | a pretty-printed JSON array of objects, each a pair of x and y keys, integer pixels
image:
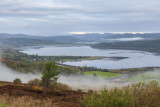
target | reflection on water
[{"x": 135, "y": 59}]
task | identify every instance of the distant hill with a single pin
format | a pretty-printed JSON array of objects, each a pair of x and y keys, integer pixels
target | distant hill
[
  {"x": 22, "y": 39},
  {"x": 93, "y": 37},
  {"x": 5, "y": 35},
  {"x": 129, "y": 35},
  {"x": 109, "y": 37},
  {"x": 145, "y": 45},
  {"x": 64, "y": 39},
  {"x": 25, "y": 40}
]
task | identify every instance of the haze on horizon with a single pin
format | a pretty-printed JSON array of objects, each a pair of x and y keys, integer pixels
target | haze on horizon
[{"x": 59, "y": 17}]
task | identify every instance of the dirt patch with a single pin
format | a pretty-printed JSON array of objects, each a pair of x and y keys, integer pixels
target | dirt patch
[{"x": 65, "y": 98}]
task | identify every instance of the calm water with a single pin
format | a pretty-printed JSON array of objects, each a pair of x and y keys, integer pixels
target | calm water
[{"x": 136, "y": 58}]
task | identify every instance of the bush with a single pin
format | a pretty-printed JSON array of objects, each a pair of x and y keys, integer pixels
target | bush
[
  {"x": 136, "y": 95},
  {"x": 90, "y": 91},
  {"x": 79, "y": 90},
  {"x": 62, "y": 86},
  {"x": 35, "y": 82},
  {"x": 113, "y": 98},
  {"x": 17, "y": 81}
]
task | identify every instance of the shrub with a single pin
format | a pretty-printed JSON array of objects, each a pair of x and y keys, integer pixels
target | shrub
[
  {"x": 146, "y": 94},
  {"x": 136, "y": 95},
  {"x": 17, "y": 81},
  {"x": 79, "y": 90},
  {"x": 35, "y": 82},
  {"x": 113, "y": 98},
  {"x": 62, "y": 86},
  {"x": 90, "y": 91}
]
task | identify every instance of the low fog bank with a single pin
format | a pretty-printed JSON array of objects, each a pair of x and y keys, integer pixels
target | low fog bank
[
  {"x": 86, "y": 82},
  {"x": 75, "y": 82},
  {"x": 90, "y": 82},
  {"x": 6, "y": 74},
  {"x": 127, "y": 39}
]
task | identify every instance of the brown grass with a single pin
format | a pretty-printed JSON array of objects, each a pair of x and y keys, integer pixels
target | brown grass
[
  {"x": 3, "y": 83},
  {"x": 25, "y": 101},
  {"x": 24, "y": 95},
  {"x": 37, "y": 88}
]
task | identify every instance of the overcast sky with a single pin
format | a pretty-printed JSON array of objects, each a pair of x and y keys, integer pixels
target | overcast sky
[{"x": 55, "y": 17}]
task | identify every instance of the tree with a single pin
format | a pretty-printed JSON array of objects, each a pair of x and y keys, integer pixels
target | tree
[{"x": 49, "y": 75}]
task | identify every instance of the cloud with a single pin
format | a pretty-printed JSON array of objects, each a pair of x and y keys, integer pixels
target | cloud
[
  {"x": 36, "y": 19},
  {"x": 61, "y": 16}
]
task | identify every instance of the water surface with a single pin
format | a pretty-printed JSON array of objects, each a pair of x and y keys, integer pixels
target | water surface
[{"x": 135, "y": 59}]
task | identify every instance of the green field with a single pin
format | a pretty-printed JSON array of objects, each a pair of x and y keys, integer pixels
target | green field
[
  {"x": 147, "y": 76},
  {"x": 82, "y": 59},
  {"x": 101, "y": 74}
]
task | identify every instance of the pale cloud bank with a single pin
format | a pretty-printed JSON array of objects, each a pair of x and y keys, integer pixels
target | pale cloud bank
[{"x": 55, "y": 17}]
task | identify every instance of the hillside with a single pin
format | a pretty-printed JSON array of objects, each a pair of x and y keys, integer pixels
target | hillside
[
  {"x": 34, "y": 95},
  {"x": 110, "y": 37},
  {"x": 28, "y": 40},
  {"x": 23, "y": 39},
  {"x": 145, "y": 45}
]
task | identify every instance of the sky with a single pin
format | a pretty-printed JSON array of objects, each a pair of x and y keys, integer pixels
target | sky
[{"x": 59, "y": 17}]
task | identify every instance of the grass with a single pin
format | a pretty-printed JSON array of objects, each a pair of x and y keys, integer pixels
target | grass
[
  {"x": 2, "y": 105},
  {"x": 2, "y": 84},
  {"x": 136, "y": 95},
  {"x": 24, "y": 101},
  {"x": 101, "y": 74},
  {"x": 82, "y": 59},
  {"x": 122, "y": 71}
]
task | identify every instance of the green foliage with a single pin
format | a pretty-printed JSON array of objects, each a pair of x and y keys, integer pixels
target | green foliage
[
  {"x": 61, "y": 86},
  {"x": 113, "y": 98},
  {"x": 25, "y": 67},
  {"x": 35, "y": 82},
  {"x": 137, "y": 95},
  {"x": 79, "y": 90},
  {"x": 49, "y": 75},
  {"x": 67, "y": 70},
  {"x": 17, "y": 81},
  {"x": 2, "y": 105}
]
